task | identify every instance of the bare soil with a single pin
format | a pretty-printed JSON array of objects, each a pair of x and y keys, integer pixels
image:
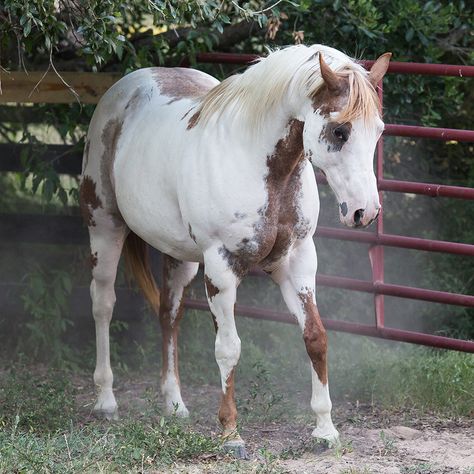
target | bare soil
[{"x": 373, "y": 440}]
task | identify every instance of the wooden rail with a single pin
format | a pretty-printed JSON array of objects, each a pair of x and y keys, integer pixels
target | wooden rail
[{"x": 32, "y": 87}]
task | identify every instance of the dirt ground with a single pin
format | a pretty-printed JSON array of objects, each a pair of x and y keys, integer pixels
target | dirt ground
[{"x": 372, "y": 440}]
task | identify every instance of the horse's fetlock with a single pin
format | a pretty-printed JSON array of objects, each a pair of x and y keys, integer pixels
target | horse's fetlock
[
  {"x": 228, "y": 415},
  {"x": 103, "y": 380}
]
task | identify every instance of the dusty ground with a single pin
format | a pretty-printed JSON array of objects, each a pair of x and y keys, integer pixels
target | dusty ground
[{"x": 372, "y": 440}]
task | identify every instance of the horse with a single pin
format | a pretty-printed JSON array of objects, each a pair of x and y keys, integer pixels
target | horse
[{"x": 221, "y": 174}]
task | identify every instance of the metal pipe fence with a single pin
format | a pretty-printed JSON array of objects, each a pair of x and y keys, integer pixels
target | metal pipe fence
[{"x": 91, "y": 87}]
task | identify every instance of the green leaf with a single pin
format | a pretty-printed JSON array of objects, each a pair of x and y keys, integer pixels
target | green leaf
[
  {"x": 27, "y": 28},
  {"x": 48, "y": 189},
  {"x": 62, "y": 195}
]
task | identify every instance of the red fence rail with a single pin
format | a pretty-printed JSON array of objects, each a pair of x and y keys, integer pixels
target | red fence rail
[{"x": 379, "y": 239}]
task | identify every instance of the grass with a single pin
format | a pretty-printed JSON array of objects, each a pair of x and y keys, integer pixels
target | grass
[
  {"x": 407, "y": 376},
  {"x": 127, "y": 446},
  {"x": 388, "y": 445},
  {"x": 41, "y": 401},
  {"x": 43, "y": 430},
  {"x": 420, "y": 468}
]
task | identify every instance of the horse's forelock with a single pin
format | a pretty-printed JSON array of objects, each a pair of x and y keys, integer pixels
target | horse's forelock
[
  {"x": 358, "y": 99},
  {"x": 362, "y": 102}
]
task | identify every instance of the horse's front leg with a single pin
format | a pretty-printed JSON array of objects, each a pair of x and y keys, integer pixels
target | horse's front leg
[
  {"x": 296, "y": 278},
  {"x": 221, "y": 289}
]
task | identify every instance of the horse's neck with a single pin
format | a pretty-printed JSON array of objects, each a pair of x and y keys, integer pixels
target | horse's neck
[
  {"x": 287, "y": 151},
  {"x": 276, "y": 149}
]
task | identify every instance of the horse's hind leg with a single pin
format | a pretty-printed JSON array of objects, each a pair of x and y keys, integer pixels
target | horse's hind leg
[
  {"x": 176, "y": 276},
  {"x": 106, "y": 237}
]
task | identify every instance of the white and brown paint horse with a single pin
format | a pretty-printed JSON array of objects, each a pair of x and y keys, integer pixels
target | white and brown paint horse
[{"x": 221, "y": 174}]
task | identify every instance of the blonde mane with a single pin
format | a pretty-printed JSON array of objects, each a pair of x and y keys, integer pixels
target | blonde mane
[{"x": 255, "y": 94}]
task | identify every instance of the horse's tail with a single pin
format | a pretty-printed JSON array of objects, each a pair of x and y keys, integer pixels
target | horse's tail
[{"x": 138, "y": 265}]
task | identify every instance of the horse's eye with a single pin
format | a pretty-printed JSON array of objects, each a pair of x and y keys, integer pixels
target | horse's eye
[{"x": 342, "y": 133}]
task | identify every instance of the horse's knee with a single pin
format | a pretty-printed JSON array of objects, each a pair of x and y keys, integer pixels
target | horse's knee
[
  {"x": 103, "y": 377},
  {"x": 315, "y": 339},
  {"x": 103, "y": 300},
  {"x": 227, "y": 350}
]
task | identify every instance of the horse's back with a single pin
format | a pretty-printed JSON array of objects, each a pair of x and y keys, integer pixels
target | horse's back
[{"x": 135, "y": 125}]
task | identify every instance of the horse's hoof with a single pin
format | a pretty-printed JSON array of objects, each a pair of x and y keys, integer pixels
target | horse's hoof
[
  {"x": 106, "y": 414},
  {"x": 177, "y": 410},
  {"x": 182, "y": 412},
  {"x": 236, "y": 448},
  {"x": 330, "y": 435}
]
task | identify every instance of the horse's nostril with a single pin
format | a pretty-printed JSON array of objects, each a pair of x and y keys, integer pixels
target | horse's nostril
[{"x": 358, "y": 215}]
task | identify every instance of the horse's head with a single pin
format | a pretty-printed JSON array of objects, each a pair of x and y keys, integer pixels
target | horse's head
[{"x": 340, "y": 134}]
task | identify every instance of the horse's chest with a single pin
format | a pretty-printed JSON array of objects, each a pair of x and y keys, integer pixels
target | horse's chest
[
  {"x": 280, "y": 223},
  {"x": 287, "y": 222}
]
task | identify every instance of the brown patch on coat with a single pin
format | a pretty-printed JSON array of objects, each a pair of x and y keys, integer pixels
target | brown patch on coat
[
  {"x": 329, "y": 137},
  {"x": 110, "y": 138},
  {"x": 88, "y": 200},
  {"x": 211, "y": 289},
  {"x": 227, "y": 409},
  {"x": 327, "y": 101},
  {"x": 178, "y": 83},
  {"x": 193, "y": 120},
  {"x": 280, "y": 221},
  {"x": 93, "y": 259},
  {"x": 291, "y": 224},
  {"x": 284, "y": 191},
  {"x": 314, "y": 336},
  {"x": 169, "y": 328},
  {"x": 169, "y": 265},
  {"x": 240, "y": 260}
]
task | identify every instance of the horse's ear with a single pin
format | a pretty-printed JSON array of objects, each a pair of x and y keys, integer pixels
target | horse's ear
[
  {"x": 379, "y": 68},
  {"x": 331, "y": 79}
]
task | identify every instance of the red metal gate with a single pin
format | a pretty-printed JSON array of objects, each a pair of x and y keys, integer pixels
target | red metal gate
[{"x": 378, "y": 239}]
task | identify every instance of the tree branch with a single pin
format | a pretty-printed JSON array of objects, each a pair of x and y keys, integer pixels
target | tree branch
[
  {"x": 231, "y": 35},
  {"x": 450, "y": 44},
  {"x": 68, "y": 59}
]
